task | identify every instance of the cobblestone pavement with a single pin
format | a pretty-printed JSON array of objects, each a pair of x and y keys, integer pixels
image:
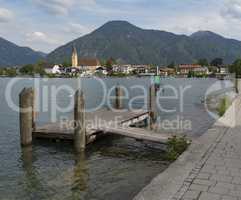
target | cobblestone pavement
[
  {"x": 211, "y": 173},
  {"x": 218, "y": 175}
]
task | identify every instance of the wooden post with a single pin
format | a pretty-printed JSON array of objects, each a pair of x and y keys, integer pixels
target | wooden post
[
  {"x": 237, "y": 85},
  {"x": 33, "y": 110},
  {"x": 79, "y": 117},
  {"x": 119, "y": 97},
  {"x": 26, "y": 111},
  {"x": 152, "y": 104}
]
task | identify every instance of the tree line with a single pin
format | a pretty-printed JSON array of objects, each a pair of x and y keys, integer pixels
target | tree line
[
  {"x": 235, "y": 67},
  {"x": 39, "y": 67}
]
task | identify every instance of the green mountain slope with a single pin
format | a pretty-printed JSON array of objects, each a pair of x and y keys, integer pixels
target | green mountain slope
[
  {"x": 130, "y": 44},
  {"x": 13, "y": 55}
]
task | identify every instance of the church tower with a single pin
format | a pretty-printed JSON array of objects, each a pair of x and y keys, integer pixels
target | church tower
[{"x": 74, "y": 57}]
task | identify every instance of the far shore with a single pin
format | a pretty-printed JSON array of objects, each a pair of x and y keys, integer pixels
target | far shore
[{"x": 104, "y": 77}]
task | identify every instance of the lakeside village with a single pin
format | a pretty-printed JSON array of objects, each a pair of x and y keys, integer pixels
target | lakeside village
[{"x": 94, "y": 67}]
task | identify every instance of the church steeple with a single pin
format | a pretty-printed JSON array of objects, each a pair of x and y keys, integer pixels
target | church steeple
[{"x": 74, "y": 57}]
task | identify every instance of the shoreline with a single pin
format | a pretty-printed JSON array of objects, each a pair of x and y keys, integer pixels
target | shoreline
[
  {"x": 177, "y": 178},
  {"x": 117, "y": 77}
]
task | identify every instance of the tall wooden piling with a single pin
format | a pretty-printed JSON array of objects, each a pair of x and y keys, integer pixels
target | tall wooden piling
[
  {"x": 79, "y": 117},
  {"x": 26, "y": 116},
  {"x": 119, "y": 97},
  {"x": 238, "y": 85},
  {"x": 152, "y": 104},
  {"x": 34, "y": 116}
]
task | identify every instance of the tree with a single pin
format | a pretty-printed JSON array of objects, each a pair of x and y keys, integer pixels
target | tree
[
  {"x": 27, "y": 69},
  {"x": 2, "y": 72},
  {"x": 41, "y": 63},
  {"x": 190, "y": 74},
  {"x": 11, "y": 72},
  {"x": 67, "y": 63},
  {"x": 109, "y": 64},
  {"x": 38, "y": 69},
  {"x": 236, "y": 68},
  {"x": 203, "y": 62},
  {"x": 212, "y": 69},
  {"x": 31, "y": 69},
  {"x": 217, "y": 62},
  {"x": 171, "y": 65},
  {"x": 102, "y": 62}
]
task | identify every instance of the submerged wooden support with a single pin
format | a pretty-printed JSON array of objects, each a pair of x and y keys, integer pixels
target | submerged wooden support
[
  {"x": 119, "y": 97},
  {"x": 79, "y": 117},
  {"x": 26, "y": 115}
]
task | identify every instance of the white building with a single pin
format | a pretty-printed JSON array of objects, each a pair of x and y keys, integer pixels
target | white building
[
  {"x": 126, "y": 69},
  {"x": 56, "y": 69}
]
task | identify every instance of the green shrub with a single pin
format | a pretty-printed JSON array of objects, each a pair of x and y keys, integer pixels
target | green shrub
[
  {"x": 175, "y": 147},
  {"x": 11, "y": 72},
  {"x": 51, "y": 75},
  {"x": 223, "y": 106}
]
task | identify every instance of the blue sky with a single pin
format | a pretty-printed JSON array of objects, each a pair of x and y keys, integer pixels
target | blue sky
[{"x": 46, "y": 24}]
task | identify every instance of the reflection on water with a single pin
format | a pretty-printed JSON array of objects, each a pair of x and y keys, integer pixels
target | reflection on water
[
  {"x": 80, "y": 175},
  {"x": 32, "y": 183},
  {"x": 114, "y": 168}
]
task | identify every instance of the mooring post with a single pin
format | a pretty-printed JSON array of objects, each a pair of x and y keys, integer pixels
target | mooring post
[
  {"x": 152, "y": 105},
  {"x": 118, "y": 97},
  {"x": 33, "y": 109},
  {"x": 26, "y": 116},
  {"x": 79, "y": 117},
  {"x": 237, "y": 85}
]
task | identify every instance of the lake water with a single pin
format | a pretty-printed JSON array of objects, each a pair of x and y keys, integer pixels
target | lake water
[{"x": 114, "y": 168}]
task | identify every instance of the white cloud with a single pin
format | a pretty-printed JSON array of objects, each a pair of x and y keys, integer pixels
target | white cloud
[
  {"x": 83, "y": 16},
  {"x": 76, "y": 29},
  {"x": 38, "y": 36},
  {"x": 232, "y": 9},
  {"x": 55, "y": 6},
  {"x": 5, "y": 15},
  {"x": 62, "y": 7},
  {"x": 211, "y": 21}
]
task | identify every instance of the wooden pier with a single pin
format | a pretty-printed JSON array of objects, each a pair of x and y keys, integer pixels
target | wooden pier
[
  {"x": 62, "y": 131},
  {"x": 86, "y": 127}
]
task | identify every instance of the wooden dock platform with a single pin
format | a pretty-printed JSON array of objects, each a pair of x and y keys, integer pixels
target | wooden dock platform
[
  {"x": 85, "y": 127},
  {"x": 103, "y": 122}
]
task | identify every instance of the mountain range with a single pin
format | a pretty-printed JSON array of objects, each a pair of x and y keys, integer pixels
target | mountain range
[
  {"x": 14, "y": 55},
  {"x": 130, "y": 44}
]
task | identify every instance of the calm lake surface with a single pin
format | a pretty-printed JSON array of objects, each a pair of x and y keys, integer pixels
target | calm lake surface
[{"x": 114, "y": 168}]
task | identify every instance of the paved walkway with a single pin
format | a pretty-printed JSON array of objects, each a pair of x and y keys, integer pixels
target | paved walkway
[{"x": 209, "y": 170}]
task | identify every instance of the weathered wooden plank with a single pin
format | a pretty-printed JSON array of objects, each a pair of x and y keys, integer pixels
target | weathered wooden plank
[
  {"x": 138, "y": 133},
  {"x": 135, "y": 133},
  {"x": 120, "y": 127},
  {"x": 67, "y": 136},
  {"x": 40, "y": 133}
]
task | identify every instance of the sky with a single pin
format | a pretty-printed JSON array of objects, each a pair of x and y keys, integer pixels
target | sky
[{"x": 45, "y": 25}]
